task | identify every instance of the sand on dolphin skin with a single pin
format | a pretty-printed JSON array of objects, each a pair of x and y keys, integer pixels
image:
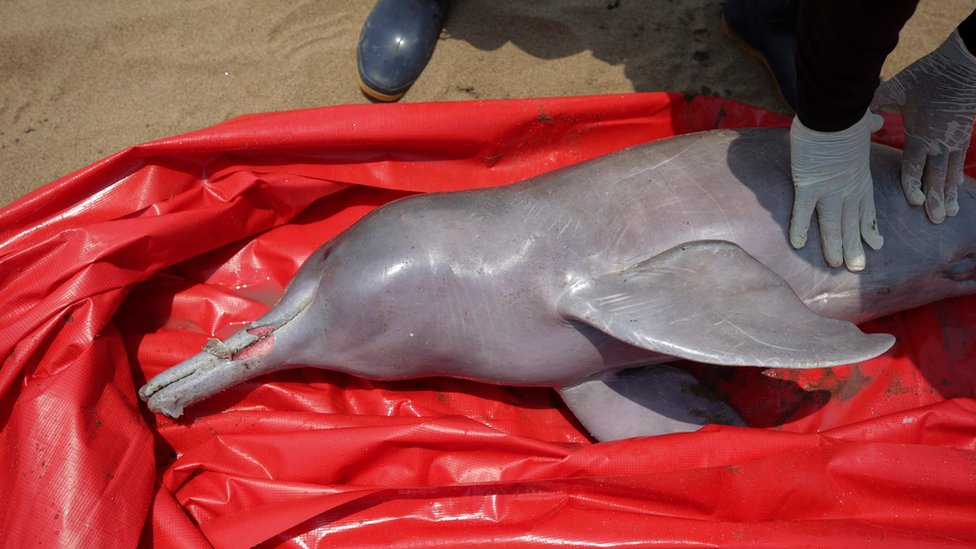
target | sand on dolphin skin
[{"x": 79, "y": 81}]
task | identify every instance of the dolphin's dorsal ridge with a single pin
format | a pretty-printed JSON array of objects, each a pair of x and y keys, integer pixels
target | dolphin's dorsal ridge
[{"x": 710, "y": 301}]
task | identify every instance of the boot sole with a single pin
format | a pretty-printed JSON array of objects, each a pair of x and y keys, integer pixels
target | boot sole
[{"x": 378, "y": 95}]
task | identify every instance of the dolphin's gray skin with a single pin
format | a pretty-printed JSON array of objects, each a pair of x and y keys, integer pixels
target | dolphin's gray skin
[{"x": 581, "y": 278}]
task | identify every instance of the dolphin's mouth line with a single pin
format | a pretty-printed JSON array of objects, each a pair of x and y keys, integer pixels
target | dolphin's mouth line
[
  {"x": 146, "y": 395},
  {"x": 220, "y": 354},
  {"x": 211, "y": 361}
]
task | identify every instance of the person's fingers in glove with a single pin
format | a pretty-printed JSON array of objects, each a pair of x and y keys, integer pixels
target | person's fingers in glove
[
  {"x": 829, "y": 216},
  {"x": 804, "y": 202},
  {"x": 937, "y": 99},
  {"x": 851, "y": 229},
  {"x": 869, "y": 223},
  {"x": 912, "y": 166},
  {"x": 954, "y": 179},
  {"x": 933, "y": 183},
  {"x": 832, "y": 176}
]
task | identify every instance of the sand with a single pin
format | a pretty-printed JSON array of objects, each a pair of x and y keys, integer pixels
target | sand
[{"x": 79, "y": 81}]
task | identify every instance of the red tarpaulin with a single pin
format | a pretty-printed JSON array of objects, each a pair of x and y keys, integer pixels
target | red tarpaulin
[{"x": 114, "y": 273}]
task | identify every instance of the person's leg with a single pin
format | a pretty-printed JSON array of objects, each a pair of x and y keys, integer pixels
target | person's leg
[
  {"x": 767, "y": 30},
  {"x": 397, "y": 40}
]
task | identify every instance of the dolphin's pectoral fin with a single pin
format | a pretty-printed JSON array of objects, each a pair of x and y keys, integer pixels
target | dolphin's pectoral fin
[
  {"x": 654, "y": 400},
  {"x": 710, "y": 301}
]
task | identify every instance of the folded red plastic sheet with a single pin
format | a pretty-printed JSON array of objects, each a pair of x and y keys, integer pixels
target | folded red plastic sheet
[{"x": 126, "y": 267}]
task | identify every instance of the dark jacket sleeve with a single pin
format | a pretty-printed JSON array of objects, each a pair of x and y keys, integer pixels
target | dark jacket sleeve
[{"x": 841, "y": 46}]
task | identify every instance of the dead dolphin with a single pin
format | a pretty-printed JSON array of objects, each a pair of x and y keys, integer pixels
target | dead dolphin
[{"x": 589, "y": 278}]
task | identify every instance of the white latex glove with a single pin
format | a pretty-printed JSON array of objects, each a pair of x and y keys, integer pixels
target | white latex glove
[
  {"x": 937, "y": 99},
  {"x": 831, "y": 172}
]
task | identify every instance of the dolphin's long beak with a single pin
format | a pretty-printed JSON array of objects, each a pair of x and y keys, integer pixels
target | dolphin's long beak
[
  {"x": 242, "y": 356},
  {"x": 223, "y": 364},
  {"x": 218, "y": 366}
]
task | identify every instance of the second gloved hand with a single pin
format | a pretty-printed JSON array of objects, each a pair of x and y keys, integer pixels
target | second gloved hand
[
  {"x": 832, "y": 175},
  {"x": 937, "y": 99}
]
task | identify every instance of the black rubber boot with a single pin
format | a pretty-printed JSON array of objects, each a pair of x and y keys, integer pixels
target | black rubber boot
[
  {"x": 767, "y": 30},
  {"x": 397, "y": 41}
]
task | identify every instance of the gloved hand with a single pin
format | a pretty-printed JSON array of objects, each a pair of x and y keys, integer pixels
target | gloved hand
[
  {"x": 937, "y": 99},
  {"x": 831, "y": 172}
]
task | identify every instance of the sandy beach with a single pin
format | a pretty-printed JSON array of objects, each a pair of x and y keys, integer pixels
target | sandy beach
[{"x": 81, "y": 81}]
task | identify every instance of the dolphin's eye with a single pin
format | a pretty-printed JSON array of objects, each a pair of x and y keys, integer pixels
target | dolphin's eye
[{"x": 964, "y": 269}]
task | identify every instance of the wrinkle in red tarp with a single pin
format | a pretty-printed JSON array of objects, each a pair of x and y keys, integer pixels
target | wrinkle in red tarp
[{"x": 126, "y": 267}]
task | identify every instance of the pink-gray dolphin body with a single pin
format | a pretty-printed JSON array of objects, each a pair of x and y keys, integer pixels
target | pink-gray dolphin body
[{"x": 581, "y": 278}]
